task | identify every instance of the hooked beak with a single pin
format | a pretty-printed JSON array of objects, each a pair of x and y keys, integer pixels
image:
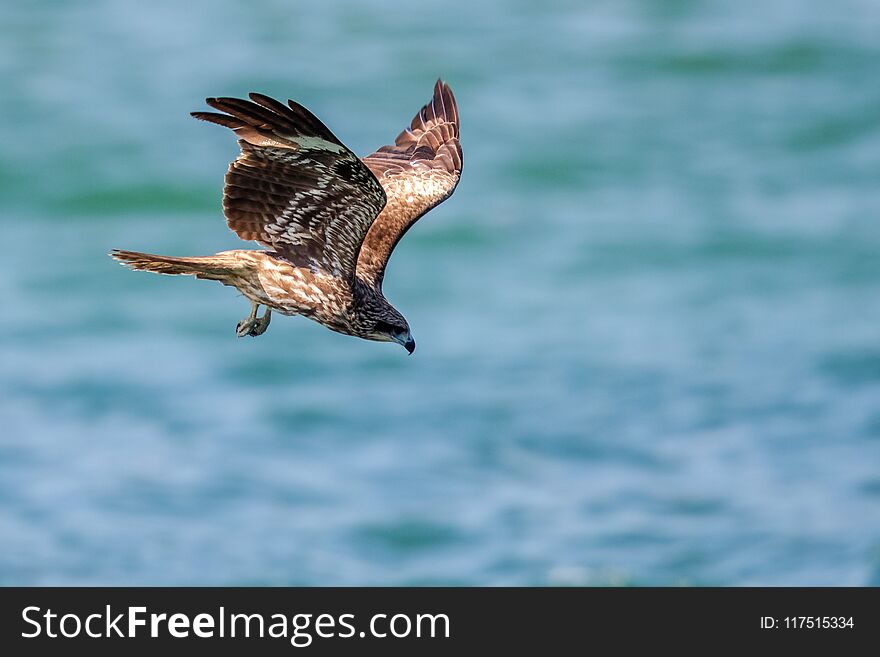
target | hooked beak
[{"x": 407, "y": 343}]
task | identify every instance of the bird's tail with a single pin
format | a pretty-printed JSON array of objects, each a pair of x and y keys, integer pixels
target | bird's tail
[{"x": 218, "y": 267}]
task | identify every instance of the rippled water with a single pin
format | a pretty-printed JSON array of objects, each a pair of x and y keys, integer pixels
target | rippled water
[{"x": 647, "y": 320}]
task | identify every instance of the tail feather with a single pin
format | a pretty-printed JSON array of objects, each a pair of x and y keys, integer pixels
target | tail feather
[{"x": 219, "y": 267}]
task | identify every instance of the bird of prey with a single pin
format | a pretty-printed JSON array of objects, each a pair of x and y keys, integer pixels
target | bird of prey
[{"x": 328, "y": 219}]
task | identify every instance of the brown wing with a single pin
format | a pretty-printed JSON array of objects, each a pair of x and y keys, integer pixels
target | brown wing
[
  {"x": 418, "y": 172},
  {"x": 295, "y": 187}
]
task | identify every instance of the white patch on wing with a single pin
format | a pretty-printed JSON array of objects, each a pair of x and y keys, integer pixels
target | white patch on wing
[
  {"x": 317, "y": 144},
  {"x": 418, "y": 190}
]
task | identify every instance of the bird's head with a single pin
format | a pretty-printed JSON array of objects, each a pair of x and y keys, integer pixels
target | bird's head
[{"x": 392, "y": 327}]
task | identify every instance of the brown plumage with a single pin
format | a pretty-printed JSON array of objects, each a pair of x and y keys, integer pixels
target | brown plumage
[{"x": 329, "y": 219}]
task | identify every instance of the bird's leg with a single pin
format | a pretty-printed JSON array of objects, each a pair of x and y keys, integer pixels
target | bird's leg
[
  {"x": 246, "y": 326},
  {"x": 253, "y": 325},
  {"x": 261, "y": 323}
]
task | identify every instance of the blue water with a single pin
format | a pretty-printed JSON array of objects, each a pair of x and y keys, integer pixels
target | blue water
[{"x": 647, "y": 320}]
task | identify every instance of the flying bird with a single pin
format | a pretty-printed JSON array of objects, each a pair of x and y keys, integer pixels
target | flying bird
[{"x": 328, "y": 219}]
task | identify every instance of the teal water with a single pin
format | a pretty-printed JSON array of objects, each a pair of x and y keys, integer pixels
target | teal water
[{"x": 647, "y": 320}]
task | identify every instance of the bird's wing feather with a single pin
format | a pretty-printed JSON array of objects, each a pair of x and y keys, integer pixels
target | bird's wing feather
[
  {"x": 295, "y": 187},
  {"x": 418, "y": 172}
]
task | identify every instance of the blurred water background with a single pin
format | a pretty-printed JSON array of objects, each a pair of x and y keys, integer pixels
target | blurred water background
[{"x": 647, "y": 320}]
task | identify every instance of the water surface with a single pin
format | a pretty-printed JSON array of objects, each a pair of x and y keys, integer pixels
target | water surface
[{"x": 647, "y": 320}]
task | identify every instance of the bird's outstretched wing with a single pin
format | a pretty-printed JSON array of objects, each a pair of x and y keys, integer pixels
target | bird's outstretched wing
[
  {"x": 418, "y": 172},
  {"x": 295, "y": 187}
]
